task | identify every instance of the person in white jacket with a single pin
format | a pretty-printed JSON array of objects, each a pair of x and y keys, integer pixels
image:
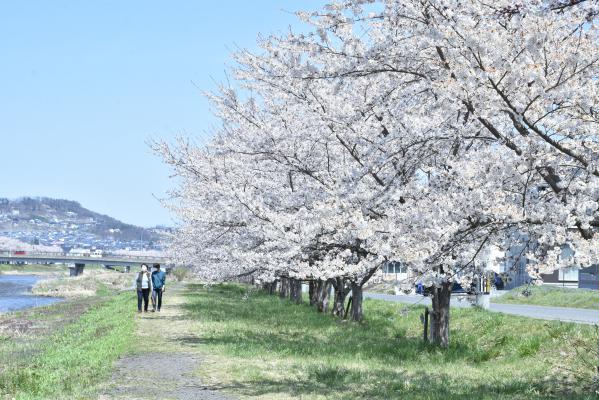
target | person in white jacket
[{"x": 143, "y": 285}]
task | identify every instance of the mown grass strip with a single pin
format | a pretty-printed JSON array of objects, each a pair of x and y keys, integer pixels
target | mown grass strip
[
  {"x": 261, "y": 345},
  {"x": 72, "y": 361},
  {"x": 552, "y": 296}
]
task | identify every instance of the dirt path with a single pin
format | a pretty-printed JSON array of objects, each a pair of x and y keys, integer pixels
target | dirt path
[{"x": 165, "y": 359}]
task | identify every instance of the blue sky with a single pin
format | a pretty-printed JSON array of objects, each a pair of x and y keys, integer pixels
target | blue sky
[{"x": 85, "y": 84}]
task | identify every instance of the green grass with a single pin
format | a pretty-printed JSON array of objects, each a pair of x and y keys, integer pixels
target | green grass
[
  {"x": 33, "y": 268},
  {"x": 262, "y": 346},
  {"x": 552, "y": 296},
  {"x": 71, "y": 360}
]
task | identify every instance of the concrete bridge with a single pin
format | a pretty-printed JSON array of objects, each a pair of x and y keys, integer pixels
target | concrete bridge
[{"x": 79, "y": 260}]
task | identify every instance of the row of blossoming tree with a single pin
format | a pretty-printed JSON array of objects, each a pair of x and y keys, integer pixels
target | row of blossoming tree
[{"x": 419, "y": 131}]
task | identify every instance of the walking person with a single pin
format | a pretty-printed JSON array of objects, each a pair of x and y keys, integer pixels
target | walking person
[
  {"x": 158, "y": 284},
  {"x": 144, "y": 287}
]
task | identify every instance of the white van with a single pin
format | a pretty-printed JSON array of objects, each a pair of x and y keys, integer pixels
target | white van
[{"x": 97, "y": 253}]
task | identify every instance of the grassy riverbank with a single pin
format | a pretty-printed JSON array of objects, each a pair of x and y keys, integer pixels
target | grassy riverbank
[
  {"x": 552, "y": 296},
  {"x": 262, "y": 347},
  {"x": 243, "y": 341},
  {"x": 33, "y": 269},
  {"x": 63, "y": 351},
  {"x": 93, "y": 282}
]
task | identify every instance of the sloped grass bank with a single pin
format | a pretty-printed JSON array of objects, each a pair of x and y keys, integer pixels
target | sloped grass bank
[
  {"x": 92, "y": 283},
  {"x": 71, "y": 360},
  {"x": 552, "y": 296},
  {"x": 260, "y": 346}
]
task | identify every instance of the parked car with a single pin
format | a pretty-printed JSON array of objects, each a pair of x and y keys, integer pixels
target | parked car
[
  {"x": 498, "y": 282},
  {"x": 423, "y": 290},
  {"x": 426, "y": 291},
  {"x": 457, "y": 288}
]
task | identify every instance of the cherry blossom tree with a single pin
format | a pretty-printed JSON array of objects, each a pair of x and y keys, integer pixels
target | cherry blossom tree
[
  {"x": 519, "y": 77},
  {"x": 422, "y": 131}
]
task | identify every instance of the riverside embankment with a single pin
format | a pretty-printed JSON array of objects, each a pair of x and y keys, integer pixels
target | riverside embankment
[
  {"x": 62, "y": 350},
  {"x": 234, "y": 341},
  {"x": 70, "y": 349}
]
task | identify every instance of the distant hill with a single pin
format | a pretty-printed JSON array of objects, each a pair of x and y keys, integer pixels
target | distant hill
[{"x": 65, "y": 222}]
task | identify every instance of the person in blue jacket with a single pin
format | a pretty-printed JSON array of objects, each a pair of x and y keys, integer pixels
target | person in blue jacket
[{"x": 158, "y": 286}]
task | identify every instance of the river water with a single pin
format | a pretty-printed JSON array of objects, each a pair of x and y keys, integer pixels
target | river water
[{"x": 15, "y": 293}]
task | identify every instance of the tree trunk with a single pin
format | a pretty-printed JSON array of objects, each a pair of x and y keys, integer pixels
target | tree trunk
[
  {"x": 324, "y": 290},
  {"x": 272, "y": 288},
  {"x": 317, "y": 292},
  {"x": 441, "y": 296},
  {"x": 312, "y": 292},
  {"x": 341, "y": 292},
  {"x": 296, "y": 291},
  {"x": 356, "y": 305},
  {"x": 284, "y": 290}
]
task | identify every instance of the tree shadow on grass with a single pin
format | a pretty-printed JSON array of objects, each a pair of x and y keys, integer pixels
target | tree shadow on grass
[
  {"x": 343, "y": 383},
  {"x": 189, "y": 340},
  {"x": 265, "y": 323},
  {"x": 249, "y": 325}
]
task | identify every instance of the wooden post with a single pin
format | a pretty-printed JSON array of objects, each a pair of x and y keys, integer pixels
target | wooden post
[
  {"x": 347, "y": 308},
  {"x": 425, "y": 332}
]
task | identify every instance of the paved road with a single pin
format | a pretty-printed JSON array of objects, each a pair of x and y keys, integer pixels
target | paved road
[{"x": 578, "y": 315}]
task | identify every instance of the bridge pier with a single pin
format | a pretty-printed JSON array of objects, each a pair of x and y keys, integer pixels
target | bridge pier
[{"x": 76, "y": 270}]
